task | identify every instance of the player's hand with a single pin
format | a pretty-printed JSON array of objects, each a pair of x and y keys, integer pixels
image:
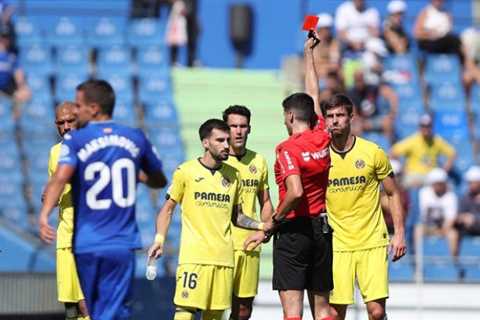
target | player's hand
[
  {"x": 254, "y": 240},
  {"x": 397, "y": 248},
  {"x": 47, "y": 233},
  {"x": 268, "y": 226},
  {"x": 156, "y": 250}
]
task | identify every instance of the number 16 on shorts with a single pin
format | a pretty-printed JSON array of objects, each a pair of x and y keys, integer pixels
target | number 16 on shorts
[{"x": 190, "y": 280}]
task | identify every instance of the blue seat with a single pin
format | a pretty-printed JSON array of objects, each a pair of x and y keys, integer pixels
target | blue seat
[
  {"x": 7, "y": 123},
  {"x": 36, "y": 59},
  {"x": 379, "y": 139},
  {"x": 444, "y": 271},
  {"x": 73, "y": 59},
  {"x": 66, "y": 84},
  {"x": 10, "y": 159},
  {"x": 470, "y": 247},
  {"x": 151, "y": 58},
  {"x": 161, "y": 114},
  {"x": 401, "y": 271},
  {"x": 122, "y": 84},
  {"x": 442, "y": 68},
  {"x": 155, "y": 87},
  {"x": 401, "y": 69},
  {"x": 434, "y": 246},
  {"x": 145, "y": 32},
  {"x": 38, "y": 116},
  {"x": 447, "y": 96},
  {"x": 65, "y": 31},
  {"x": 106, "y": 31},
  {"x": 115, "y": 60},
  {"x": 453, "y": 125},
  {"x": 472, "y": 272},
  {"x": 124, "y": 113},
  {"x": 408, "y": 118},
  {"x": 28, "y": 31},
  {"x": 40, "y": 85},
  {"x": 407, "y": 91}
]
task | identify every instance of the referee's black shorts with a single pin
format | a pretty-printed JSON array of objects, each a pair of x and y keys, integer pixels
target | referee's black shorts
[{"x": 302, "y": 255}]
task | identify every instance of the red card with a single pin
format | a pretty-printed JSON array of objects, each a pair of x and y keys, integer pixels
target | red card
[{"x": 310, "y": 23}]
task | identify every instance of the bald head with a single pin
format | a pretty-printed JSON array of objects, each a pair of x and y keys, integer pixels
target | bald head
[{"x": 65, "y": 118}]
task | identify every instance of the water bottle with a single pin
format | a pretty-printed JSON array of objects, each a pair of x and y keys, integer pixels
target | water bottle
[{"x": 151, "y": 272}]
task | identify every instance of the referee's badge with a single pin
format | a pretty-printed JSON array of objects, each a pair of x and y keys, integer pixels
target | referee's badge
[
  {"x": 360, "y": 164},
  {"x": 225, "y": 182},
  {"x": 252, "y": 169}
]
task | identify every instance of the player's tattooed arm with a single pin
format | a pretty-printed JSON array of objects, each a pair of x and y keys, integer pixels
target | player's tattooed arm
[{"x": 241, "y": 220}]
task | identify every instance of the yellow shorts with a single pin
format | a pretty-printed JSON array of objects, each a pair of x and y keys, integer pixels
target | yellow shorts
[
  {"x": 68, "y": 285},
  {"x": 370, "y": 269},
  {"x": 245, "y": 273},
  {"x": 204, "y": 287}
]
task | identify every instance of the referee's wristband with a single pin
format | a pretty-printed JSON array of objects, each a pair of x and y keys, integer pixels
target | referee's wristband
[{"x": 159, "y": 238}]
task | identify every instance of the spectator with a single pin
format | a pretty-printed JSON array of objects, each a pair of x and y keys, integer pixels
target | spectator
[
  {"x": 6, "y": 13},
  {"x": 468, "y": 219},
  {"x": 433, "y": 30},
  {"x": 146, "y": 8},
  {"x": 422, "y": 151},
  {"x": 438, "y": 210},
  {"x": 404, "y": 198},
  {"x": 176, "y": 34},
  {"x": 12, "y": 78},
  {"x": 470, "y": 38},
  {"x": 333, "y": 85},
  {"x": 327, "y": 52},
  {"x": 394, "y": 34},
  {"x": 356, "y": 23},
  {"x": 375, "y": 106}
]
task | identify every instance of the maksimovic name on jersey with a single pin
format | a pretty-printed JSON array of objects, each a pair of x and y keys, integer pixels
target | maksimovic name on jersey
[{"x": 112, "y": 140}]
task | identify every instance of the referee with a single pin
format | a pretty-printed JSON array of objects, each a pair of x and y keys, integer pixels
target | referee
[{"x": 302, "y": 248}]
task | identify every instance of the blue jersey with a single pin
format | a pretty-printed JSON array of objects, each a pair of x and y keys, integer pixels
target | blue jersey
[{"x": 107, "y": 158}]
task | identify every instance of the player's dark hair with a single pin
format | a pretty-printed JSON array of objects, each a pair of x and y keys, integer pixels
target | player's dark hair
[
  {"x": 236, "y": 109},
  {"x": 100, "y": 92},
  {"x": 207, "y": 127},
  {"x": 337, "y": 100},
  {"x": 302, "y": 105}
]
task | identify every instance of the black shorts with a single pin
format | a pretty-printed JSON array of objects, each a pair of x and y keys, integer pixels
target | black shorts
[{"x": 302, "y": 255}]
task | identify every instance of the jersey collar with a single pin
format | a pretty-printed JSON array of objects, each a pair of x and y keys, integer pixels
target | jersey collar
[
  {"x": 212, "y": 170},
  {"x": 344, "y": 153}
]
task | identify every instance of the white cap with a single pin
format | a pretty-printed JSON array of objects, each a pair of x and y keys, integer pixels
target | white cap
[
  {"x": 324, "y": 20},
  {"x": 396, "y": 6},
  {"x": 376, "y": 46},
  {"x": 437, "y": 175},
  {"x": 396, "y": 166},
  {"x": 473, "y": 174}
]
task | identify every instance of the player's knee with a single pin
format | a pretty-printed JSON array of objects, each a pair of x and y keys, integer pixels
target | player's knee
[
  {"x": 184, "y": 314},
  {"x": 244, "y": 312},
  {"x": 378, "y": 314}
]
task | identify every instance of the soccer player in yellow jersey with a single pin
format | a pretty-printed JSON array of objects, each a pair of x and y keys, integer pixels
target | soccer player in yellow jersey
[
  {"x": 253, "y": 171},
  {"x": 360, "y": 238},
  {"x": 210, "y": 193},
  {"x": 68, "y": 285}
]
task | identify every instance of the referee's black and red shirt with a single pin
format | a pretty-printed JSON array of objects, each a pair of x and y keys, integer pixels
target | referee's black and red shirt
[{"x": 305, "y": 154}]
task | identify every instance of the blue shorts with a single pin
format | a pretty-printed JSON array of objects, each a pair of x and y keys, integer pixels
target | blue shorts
[{"x": 106, "y": 278}]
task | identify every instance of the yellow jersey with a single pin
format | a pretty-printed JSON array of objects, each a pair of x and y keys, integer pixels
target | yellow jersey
[
  {"x": 353, "y": 196},
  {"x": 207, "y": 199},
  {"x": 253, "y": 171},
  {"x": 65, "y": 204},
  {"x": 421, "y": 156}
]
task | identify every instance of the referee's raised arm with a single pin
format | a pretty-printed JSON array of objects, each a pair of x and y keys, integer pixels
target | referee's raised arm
[{"x": 311, "y": 77}]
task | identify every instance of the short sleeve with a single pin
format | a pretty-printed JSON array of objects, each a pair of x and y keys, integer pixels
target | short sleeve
[
  {"x": 68, "y": 155},
  {"x": 401, "y": 148},
  {"x": 177, "y": 187},
  {"x": 383, "y": 168},
  {"x": 341, "y": 21},
  {"x": 150, "y": 161},
  {"x": 51, "y": 162},
  {"x": 264, "y": 177},
  {"x": 451, "y": 206},
  {"x": 445, "y": 148},
  {"x": 288, "y": 162},
  {"x": 373, "y": 18}
]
